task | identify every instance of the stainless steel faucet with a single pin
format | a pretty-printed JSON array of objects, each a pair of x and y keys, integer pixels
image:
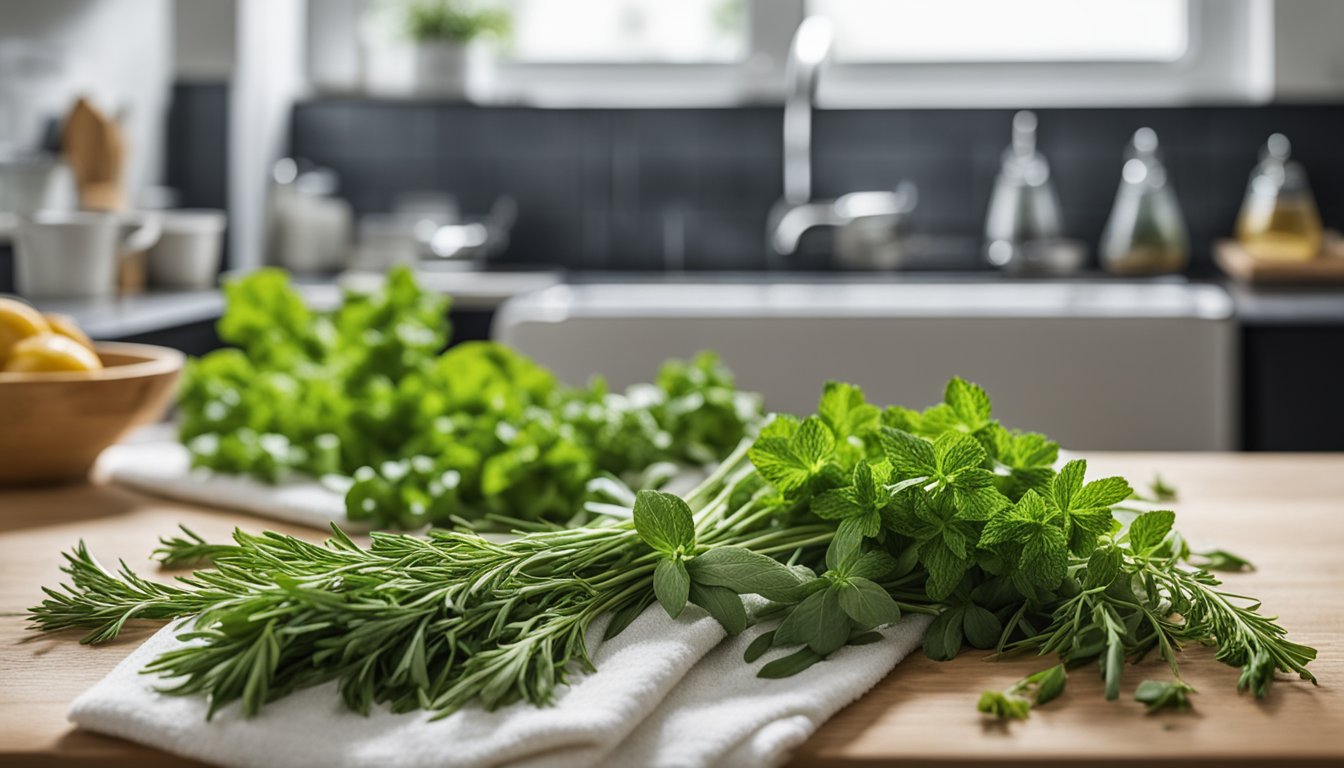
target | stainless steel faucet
[
  {"x": 810, "y": 49},
  {"x": 868, "y": 224}
]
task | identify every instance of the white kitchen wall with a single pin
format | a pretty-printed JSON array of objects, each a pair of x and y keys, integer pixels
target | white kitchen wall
[
  {"x": 1308, "y": 57},
  {"x": 206, "y": 32},
  {"x": 120, "y": 54}
]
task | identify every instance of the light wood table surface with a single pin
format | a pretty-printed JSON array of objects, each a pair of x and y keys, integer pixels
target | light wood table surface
[{"x": 1286, "y": 513}]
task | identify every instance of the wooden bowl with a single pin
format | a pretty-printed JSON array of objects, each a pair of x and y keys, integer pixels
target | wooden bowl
[{"x": 54, "y": 425}]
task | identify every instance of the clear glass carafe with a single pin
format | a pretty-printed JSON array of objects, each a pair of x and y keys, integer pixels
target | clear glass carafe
[
  {"x": 1278, "y": 218},
  {"x": 1145, "y": 234},
  {"x": 1023, "y": 227}
]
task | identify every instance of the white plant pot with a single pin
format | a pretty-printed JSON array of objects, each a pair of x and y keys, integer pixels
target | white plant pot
[
  {"x": 441, "y": 69},
  {"x": 445, "y": 70}
]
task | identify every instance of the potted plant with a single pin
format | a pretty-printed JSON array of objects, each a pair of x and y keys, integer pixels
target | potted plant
[{"x": 444, "y": 36}]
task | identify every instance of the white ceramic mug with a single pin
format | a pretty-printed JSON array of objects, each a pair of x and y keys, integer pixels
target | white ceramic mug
[
  {"x": 74, "y": 254},
  {"x": 188, "y": 252}
]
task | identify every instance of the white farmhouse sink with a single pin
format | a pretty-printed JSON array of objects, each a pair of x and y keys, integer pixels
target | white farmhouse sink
[{"x": 1122, "y": 366}]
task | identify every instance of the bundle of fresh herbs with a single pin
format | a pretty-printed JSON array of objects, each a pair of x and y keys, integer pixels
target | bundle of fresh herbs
[
  {"x": 476, "y": 437},
  {"x": 842, "y": 522}
]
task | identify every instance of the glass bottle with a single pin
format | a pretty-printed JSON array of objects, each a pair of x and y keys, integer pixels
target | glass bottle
[
  {"x": 1145, "y": 234},
  {"x": 1278, "y": 218},
  {"x": 1023, "y": 208}
]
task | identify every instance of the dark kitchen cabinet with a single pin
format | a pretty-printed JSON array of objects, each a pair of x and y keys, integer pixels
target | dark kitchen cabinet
[{"x": 1293, "y": 388}]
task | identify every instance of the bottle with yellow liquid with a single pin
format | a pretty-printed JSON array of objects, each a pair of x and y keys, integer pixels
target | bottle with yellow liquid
[{"x": 1278, "y": 218}]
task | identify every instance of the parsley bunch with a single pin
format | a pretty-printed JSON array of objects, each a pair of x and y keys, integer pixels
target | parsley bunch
[
  {"x": 478, "y": 437},
  {"x": 838, "y": 523}
]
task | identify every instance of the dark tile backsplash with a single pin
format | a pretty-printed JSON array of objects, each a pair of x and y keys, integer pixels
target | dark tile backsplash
[{"x": 654, "y": 189}]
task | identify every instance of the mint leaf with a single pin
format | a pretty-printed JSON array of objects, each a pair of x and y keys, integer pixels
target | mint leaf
[
  {"x": 1149, "y": 529},
  {"x": 872, "y": 565},
  {"x": 721, "y": 603},
  {"x": 858, "y": 506},
  {"x": 1028, "y": 457},
  {"x": 1036, "y": 528},
  {"x": 791, "y": 464},
  {"x": 909, "y": 455},
  {"x": 745, "y": 572},
  {"x": 1067, "y": 483},
  {"x": 1102, "y": 567},
  {"x": 672, "y": 585},
  {"x": 1045, "y": 557},
  {"x": 867, "y": 604},
  {"x": 941, "y": 537},
  {"x": 945, "y": 568},
  {"x": 957, "y": 460},
  {"x": 1105, "y": 492},
  {"x": 969, "y": 402},
  {"x": 664, "y": 522},
  {"x": 954, "y": 452},
  {"x": 845, "y": 411},
  {"x": 1086, "y": 508}
]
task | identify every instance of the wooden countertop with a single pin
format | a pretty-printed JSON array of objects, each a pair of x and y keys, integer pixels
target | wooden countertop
[{"x": 1286, "y": 513}]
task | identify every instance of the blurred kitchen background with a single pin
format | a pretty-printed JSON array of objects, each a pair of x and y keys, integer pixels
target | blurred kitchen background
[{"x": 1115, "y": 214}]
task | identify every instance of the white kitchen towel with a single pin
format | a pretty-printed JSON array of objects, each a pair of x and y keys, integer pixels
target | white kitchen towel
[
  {"x": 163, "y": 468},
  {"x": 665, "y": 693}
]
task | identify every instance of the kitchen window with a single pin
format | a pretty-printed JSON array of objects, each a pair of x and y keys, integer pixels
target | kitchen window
[
  {"x": 887, "y": 53},
  {"x": 629, "y": 31},
  {"x": 947, "y": 31}
]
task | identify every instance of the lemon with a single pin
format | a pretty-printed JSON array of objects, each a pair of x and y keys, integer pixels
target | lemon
[
  {"x": 50, "y": 352},
  {"x": 65, "y": 325},
  {"x": 18, "y": 321}
]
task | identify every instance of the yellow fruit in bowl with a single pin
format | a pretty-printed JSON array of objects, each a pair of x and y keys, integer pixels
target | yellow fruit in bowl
[
  {"x": 50, "y": 353},
  {"x": 18, "y": 321},
  {"x": 65, "y": 325}
]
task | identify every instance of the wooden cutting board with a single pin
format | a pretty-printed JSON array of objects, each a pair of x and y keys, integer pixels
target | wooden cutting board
[
  {"x": 94, "y": 149},
  {"x": 1286, "y": 512},
  {"x": 1239, "y": 264}
]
